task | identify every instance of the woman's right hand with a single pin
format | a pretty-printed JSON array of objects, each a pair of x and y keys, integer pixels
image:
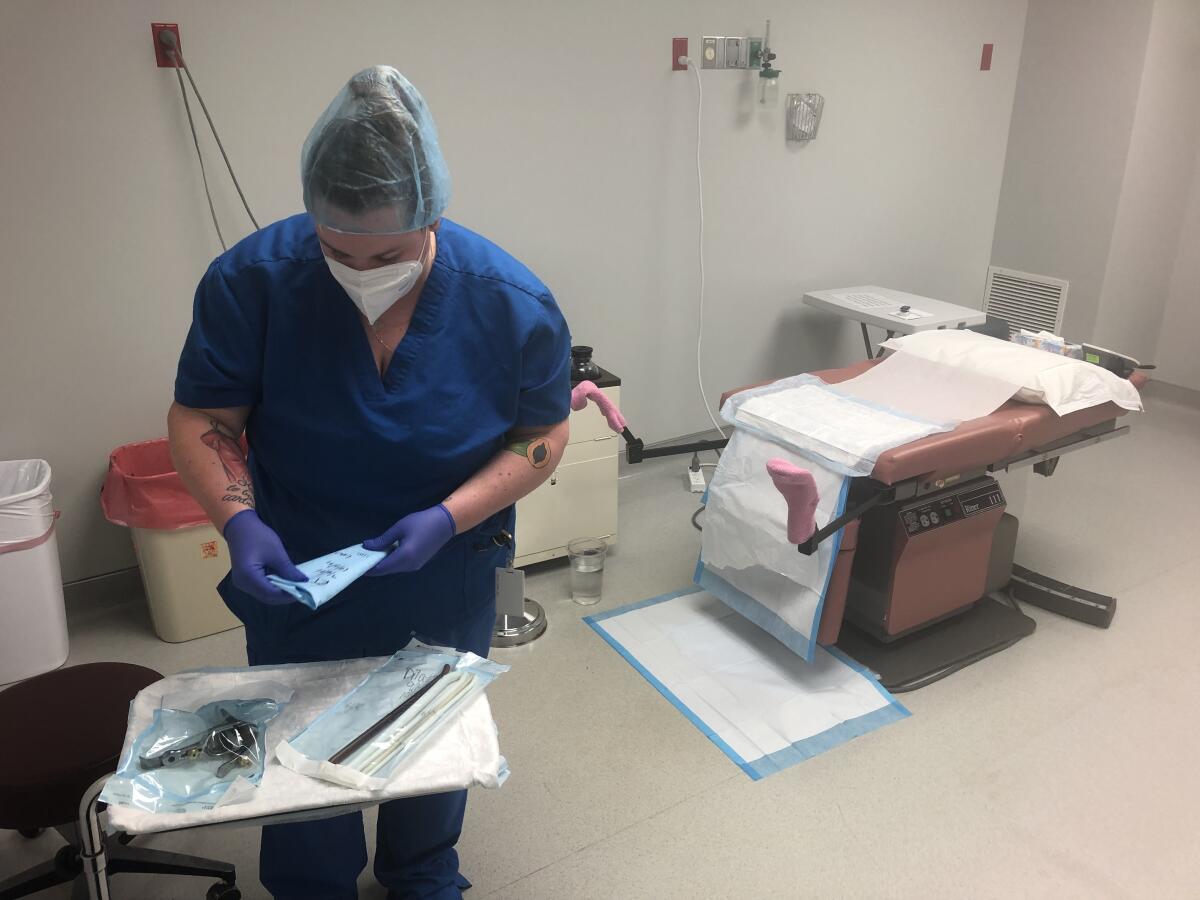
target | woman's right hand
[{"x": 257, "y": 552}]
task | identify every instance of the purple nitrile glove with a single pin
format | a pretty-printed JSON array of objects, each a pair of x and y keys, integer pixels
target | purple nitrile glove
[
  {"x": 413, "y": 541},
  {"x": 257, "y": 552}
]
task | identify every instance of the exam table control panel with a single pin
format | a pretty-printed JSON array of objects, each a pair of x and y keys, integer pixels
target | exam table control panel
[{"x": 919, "y": 518}]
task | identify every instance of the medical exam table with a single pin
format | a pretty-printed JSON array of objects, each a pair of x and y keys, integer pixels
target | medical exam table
[{"x": 926, "y": 540}]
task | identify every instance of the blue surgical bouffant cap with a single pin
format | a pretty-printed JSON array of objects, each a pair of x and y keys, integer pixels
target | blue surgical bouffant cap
[{"x": 372, "y": 163}]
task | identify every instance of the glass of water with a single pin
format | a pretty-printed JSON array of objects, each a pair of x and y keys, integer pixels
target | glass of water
[{"x": 587, "y": 569}]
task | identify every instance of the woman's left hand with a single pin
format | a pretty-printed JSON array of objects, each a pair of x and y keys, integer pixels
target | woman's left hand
[{"x": 413, "y": 541}]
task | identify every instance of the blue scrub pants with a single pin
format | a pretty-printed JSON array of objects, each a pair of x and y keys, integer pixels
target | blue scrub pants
[{"x": 415, "y": 837}]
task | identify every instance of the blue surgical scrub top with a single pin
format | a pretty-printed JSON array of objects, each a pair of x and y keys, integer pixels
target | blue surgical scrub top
[{"x": 338, "y": 452}]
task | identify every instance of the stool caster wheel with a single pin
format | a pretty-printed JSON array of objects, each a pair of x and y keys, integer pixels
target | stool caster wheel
[
  {"x": 223, "y": 891},
  {"x": 30, "y": 833}
]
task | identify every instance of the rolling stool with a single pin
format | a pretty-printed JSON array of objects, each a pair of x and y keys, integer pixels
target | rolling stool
[{"x": 71, "y": 724}]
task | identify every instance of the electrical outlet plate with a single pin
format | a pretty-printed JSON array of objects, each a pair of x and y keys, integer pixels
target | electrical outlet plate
[
  {"x": 678, "y": 49},
  {"x": 160, "y": 52},
  {"x": 730, "y": 52},
  {"x": 737, "y": 53}
]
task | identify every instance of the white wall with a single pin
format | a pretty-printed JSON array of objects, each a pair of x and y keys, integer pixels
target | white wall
[
  {"x": 1177, "y": 357},
  {"x": 1076, "y": 97},
  {"x": 1154, "y": 191},
  {"x": 574, "y": 151}
]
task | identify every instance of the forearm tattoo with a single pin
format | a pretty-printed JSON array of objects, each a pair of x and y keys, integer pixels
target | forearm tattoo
[
  {"x": 537, "y": 451},
  {"x": 241, "y": 491},
  {"x": 222, "y": 442}
]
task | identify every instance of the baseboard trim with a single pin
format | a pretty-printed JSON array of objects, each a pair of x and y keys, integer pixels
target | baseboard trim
[
  {"x": 1172, "y": 393},
  {"x": 112, "y": 587}
]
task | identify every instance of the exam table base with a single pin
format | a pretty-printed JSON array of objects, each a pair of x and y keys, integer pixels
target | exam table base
[
  {"x": 941, "y": 649},
  {"x": 1062, "y": 598}
]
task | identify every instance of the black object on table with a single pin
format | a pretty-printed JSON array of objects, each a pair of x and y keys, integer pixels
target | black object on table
[{"x": 355, "y": 745}]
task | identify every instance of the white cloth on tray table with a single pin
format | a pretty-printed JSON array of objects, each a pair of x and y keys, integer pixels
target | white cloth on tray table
[{"x": 466, "y": 754}]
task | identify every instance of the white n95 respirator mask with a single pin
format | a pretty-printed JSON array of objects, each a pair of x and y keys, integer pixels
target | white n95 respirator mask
[{"x": 374, "y": 291}]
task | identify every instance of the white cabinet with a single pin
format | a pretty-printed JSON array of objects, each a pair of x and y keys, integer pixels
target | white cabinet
[{"x": 580, "y": 499}]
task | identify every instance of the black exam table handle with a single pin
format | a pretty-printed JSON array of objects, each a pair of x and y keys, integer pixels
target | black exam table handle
[{"x": 635, "y": 447}]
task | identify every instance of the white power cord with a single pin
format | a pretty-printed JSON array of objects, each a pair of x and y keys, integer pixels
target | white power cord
[{"x": 700, "y": 198}]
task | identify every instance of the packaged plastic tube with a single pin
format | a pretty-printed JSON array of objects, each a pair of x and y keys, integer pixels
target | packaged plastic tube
[{"x": 364, "y": 738}]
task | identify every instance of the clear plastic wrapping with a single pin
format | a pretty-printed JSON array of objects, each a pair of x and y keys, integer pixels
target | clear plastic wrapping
[
  {"x": 199, "y": 751},
  {"x": 1051, "y": 343},
  {"x": 364, "y": 738}
]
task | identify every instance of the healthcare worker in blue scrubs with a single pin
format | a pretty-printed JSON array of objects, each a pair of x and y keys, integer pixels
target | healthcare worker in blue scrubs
[{"x": 398, "y": 379}]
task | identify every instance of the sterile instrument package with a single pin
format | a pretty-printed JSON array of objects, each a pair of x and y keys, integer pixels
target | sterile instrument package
[
  {"x": 201, "y": 750},
  {"x": 370, "y": 733}
]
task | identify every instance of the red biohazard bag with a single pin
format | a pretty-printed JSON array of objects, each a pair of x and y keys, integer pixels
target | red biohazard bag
[{"x": 143, "y": 490}]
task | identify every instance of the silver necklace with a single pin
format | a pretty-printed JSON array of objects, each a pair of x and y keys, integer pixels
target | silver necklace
[
  {"x": 371, "y": 325},
  {"x": 382, "y": 343}
]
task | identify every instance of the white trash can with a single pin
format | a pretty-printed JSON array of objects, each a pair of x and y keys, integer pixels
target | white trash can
[{"x": 33, "y": 619}]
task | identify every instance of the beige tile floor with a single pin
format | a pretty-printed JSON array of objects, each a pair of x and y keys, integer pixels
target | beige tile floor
[{"x": 1063, "y": 767}]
